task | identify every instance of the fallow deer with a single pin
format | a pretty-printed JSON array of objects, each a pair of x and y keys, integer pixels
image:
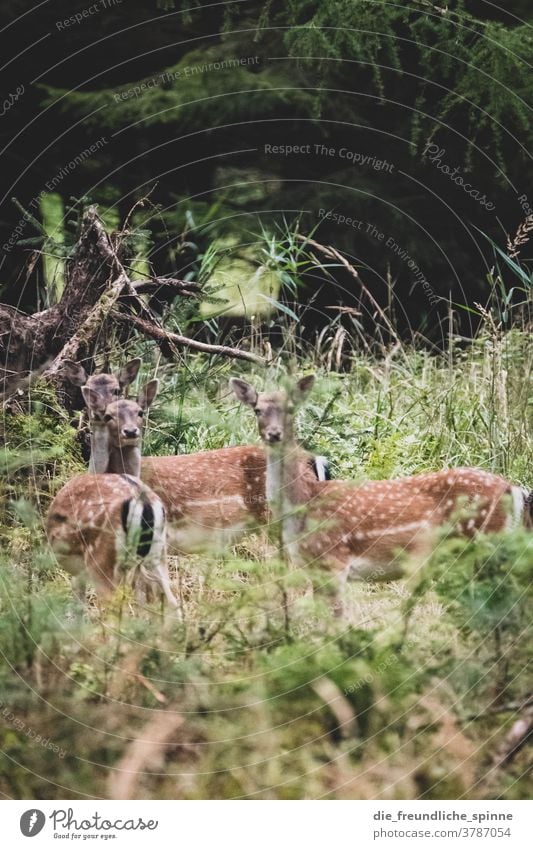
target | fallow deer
[
  {"x": 214, "y": 497},
  {"x": 112, "y": 524},
  {"x": 105, "y": 388},
  {"x": 112, "y": 528},
  {"x": 211, "y": 497},
  {"x": 361, "y": 529}
]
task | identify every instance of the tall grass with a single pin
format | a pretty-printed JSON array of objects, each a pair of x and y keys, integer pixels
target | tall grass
[{"x": 405, "y": 412}]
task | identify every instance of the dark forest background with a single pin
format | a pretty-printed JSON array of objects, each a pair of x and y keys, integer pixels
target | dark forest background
[{"x": 382, "y": 80}]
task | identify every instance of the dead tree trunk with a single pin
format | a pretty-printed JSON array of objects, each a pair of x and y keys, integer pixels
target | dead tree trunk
[
  {"x": 96, "y": 287},
  {"x": 29, "y": 342}
]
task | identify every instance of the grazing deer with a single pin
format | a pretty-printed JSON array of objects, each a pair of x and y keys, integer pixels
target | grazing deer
[
  {"x": 112, "y": 528},
  {"x": 104, "y": 389},
  {"x": 361, "y": 529}
]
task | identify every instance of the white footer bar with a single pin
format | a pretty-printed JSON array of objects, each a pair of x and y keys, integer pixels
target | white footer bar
[{"x": 268, "y": 824}]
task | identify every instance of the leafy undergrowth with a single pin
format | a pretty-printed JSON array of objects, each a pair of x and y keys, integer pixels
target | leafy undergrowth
[
  {"x": 261, "y": 694},
  {"x": 258, "y": 692}
]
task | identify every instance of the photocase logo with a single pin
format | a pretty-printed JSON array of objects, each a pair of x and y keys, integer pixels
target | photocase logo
[{"x": 32, "y": 822}]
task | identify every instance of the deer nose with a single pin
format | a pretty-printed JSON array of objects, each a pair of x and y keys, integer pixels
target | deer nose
[
  {"x": 130, "y": 432},
  {"x": 274, "y": 435}
]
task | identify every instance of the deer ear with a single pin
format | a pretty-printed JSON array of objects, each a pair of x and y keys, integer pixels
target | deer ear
[
  {"x": 129, "y": 372},
  {"x": 303, "y": 387},
  {"x": 74, "y": 372},
  {"x": 244, "y": 391},
  {"x": 147, "y": 394},
  {"x": 91, "y": 397}
]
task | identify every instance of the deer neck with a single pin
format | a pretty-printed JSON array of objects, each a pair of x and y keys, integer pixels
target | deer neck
[
  {"x": 99, "y": 459},
  {"x": 287, "y": 477},
  {"x": 125, "y": 461},
  {"x": 289, "y": 487},
  {"x": 274, "y": 478}
]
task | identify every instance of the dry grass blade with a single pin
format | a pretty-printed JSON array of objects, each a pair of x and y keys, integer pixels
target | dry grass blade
[
  {"x": 143, "y": 755},
  {"x": 333, "y": 253},
  {"x": 158, "y": 696},
  {"x": 515, "y": 739},
  {"x": 338, "y": 704}
]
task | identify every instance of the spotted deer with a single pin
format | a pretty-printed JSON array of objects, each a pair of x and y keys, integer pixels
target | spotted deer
[
  {"x": 112, "y": 529},
  {"x": 112, "y": 525},
  {"x": 212, "y": 498},
  {"x": 363, "y": 530},
  {"x": 104, "y": 388}
]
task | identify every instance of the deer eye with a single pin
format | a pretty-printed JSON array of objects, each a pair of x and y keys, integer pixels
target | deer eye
[
  {"x": 116, "y": 392},
  {"x": 257, "y": 412},
  {"x": 108, "y": 417},
  {"x": 141, "y": 413}
]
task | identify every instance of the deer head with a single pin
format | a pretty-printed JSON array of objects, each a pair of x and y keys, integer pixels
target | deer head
[
  {"x": 100, "y": 390},
  {"x": 104, "y": 388},
  {"x": 123, "y": 421},
  {"x": 124, "y": 418},
  {"x": 274, "y": 411}
]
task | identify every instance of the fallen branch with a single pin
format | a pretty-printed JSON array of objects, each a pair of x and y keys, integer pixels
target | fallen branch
[
  {"x": 169, "y": 341},
  {"x": 120, "y": 287},
  {"x": 182, "y": 287},
  {"x": 97, "y": 289}
]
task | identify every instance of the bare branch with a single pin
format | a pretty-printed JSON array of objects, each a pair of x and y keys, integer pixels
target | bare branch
[
  {"x": 101, "y": 310},
  {"x": 182, "y": 287},
  {"x": 169, "y": 340}
]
